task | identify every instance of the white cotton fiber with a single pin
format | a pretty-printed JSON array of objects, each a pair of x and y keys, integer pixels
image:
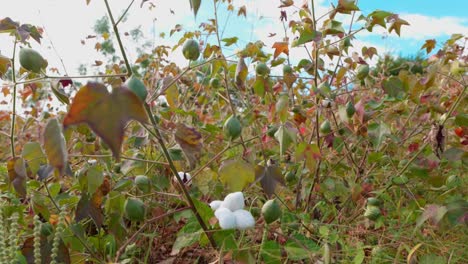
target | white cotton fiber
[
  {"x": 215, "y": 204},
  {"x": 226, "y": 218},
  {"x": 234, "y": 201},
  {"x": 244, "y": 219},
  {"x": 221, "y": 211},
  {"x": 185, "y": 176}
]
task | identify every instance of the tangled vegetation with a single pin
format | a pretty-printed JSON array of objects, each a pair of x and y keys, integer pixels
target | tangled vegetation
[{"x": 338, "y": 160}]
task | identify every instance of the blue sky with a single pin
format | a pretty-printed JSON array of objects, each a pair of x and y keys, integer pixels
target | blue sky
[{"x": 67, "y": 23}]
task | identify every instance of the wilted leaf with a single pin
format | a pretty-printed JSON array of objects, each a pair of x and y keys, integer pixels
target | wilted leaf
[
  {"x": 241, "y": 73},
  {"x": 190, "y": 140},
  {"x": 332, "y": 27},
  {"x": 242, "y": 11},
  {"x": 432, "y": 212},
  {"x": 106, "y": 113},
  {"x": 17, "y": 175},
  {"x": 8, "y": 25},
  {"x": 395, "y": 24},
  {"x": 90, "y": 206},
  {"x": 346, "y": 6},
  {"x": 229, "y": 41},
  {"x": 429, "y": 45},
  {"x": 5, "y": 64},
  {"x": 32, "y": 153},
  {"x": 308, "y": 152},
  {"x": 377, "y": 18},
  {"x": 54, "y": 145},
  {"x": 236, "y": 174},
  {"x": 195, "y": 5},
  {"x": 269, "y": 177},
  {"x": 286, "y": 3},
  {"x": 280, "y": 47}
]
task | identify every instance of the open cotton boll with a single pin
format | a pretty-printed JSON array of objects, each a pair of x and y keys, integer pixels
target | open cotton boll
[
  {"x": 215, "y": 204},
  {"x": 221, "y": 211},
  {"x": 226, "y": 218},
  {"x": 244, "y": 219},
  {"x": 185, "y": 176},
  {"x": 234, "y": 201}
]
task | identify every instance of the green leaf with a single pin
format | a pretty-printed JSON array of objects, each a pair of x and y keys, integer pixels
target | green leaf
[
  {"x": 359, "y": 258},
  {"x": 393, "y": 86},
  {"x": 461, "y": 119},
  {"x": 285, "y": 137},
  {"x": 259, "y": 85},
  {"x": 307, "y": 35},
  {"x": 34, "y": 156},
  {"x": 282, "y": 107},
  {"x": 300, "y": 247},
  {"x": 333, "y": 27},
  {"x": 229, "y": 41},
  {"x": 236, "y": 174},
  {"x": 95, "y": 177},
  {"x": 377, "y": 133},
  {"x": 187, "y": 236},
  {"x": 271, "y": 252}
]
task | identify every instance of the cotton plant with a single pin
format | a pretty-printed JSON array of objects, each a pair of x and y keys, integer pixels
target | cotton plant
[{"x": 231, "y": 214}]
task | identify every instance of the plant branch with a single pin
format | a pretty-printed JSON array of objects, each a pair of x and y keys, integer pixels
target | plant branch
[
  {"x": 13, "y": 112},
  {"x": 188, "y": 198},
  {"x": 119, "y": 40}
]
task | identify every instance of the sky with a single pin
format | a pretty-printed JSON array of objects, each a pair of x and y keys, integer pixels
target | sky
[{"x": 67, "y": 23}]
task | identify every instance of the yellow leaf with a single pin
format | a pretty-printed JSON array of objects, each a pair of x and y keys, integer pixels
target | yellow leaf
[{"x": 236, "y": 174}]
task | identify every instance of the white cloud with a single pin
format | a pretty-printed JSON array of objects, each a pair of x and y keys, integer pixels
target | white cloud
[{"x": 424, "y": 27}]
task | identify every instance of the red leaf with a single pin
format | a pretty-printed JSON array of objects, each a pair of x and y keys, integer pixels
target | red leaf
[{"x": 106, "y": 113}]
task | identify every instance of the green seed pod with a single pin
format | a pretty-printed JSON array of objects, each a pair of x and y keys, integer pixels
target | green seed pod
[
  {"x": 232, "y": 128},
  {"x": 350, "y": 109},
  {"x": 215, "y": 83},
  {"x": 325, "y": 127},
  {"x": 262, "y": 69},
  {"x": 287, "y": 69},
  {"x": 373, "y": 201},
  {"x": 191, "y": 50},
  {"x": 138, "y": 87},
  {"x": 134, "y": 209},
  {"x": 31, "y": 60},
  {"x": 290, "y": 176},
  {"x": 372, "y": 212},
  {"x": 362, "y": 71},
  {"x": 271, "y": 211}
]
